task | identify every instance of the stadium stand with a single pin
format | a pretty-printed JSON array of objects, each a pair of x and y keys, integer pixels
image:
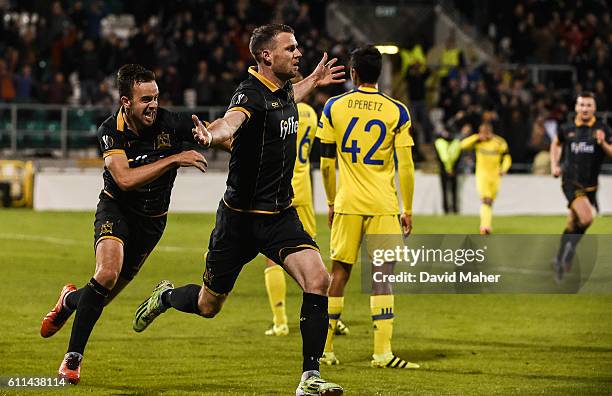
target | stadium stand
[{"x": 65, "y": 52}]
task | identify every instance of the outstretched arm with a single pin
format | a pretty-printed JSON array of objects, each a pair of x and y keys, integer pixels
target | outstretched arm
[
  {"x": 324, "y": 74},
  {"x": 469, "y": 142},
  {"x": 219, "y": 131}
]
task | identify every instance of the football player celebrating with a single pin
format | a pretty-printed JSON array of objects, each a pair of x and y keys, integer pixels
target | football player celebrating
[{"x": 576, "y": 154}]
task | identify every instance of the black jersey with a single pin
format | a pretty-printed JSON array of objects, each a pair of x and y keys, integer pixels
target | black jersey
[
  {"x": 162, "y": 139},
  {"x": 581, "y": 156},
  {"x": 263, "y": 148}
]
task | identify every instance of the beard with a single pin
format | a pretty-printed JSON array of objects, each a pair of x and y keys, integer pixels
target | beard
[{"x": 288, "y": 73}]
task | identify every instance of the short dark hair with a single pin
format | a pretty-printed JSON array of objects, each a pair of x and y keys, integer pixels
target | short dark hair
[
  {"x": 586, "y": 94},
  {"x": 263, "y": 35},
  {"x": 131, "y": 74},
  {"x": 367, "y": 62}
]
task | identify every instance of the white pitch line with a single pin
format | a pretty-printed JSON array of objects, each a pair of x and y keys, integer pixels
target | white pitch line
[{"x": 74, "y": 242}]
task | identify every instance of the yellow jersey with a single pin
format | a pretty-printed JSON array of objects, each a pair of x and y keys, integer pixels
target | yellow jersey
[
  {"x": 307, "y": 126},
  {"x": 491, "y": 155},
  {"x": 366, "y": 125}
]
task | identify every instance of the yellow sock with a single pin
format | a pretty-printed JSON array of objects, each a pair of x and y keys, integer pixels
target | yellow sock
[
  {"x": 382, "y": 318},
  {"x": 486, "y": 215},
  {"x": 276, "y": 287},
  {"x": 334, "y": 309}
]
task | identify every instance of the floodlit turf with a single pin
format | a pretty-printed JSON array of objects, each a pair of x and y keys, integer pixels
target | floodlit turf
[{"x": 469, "y": 344}]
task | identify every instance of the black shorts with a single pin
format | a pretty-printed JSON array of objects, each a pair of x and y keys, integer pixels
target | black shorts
[
  {"x": 239, "y": 236},
  {"x": 572, "y": 191},
  {"x": 138, "y": 234}
]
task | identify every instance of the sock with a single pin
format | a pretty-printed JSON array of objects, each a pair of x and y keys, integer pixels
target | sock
[
  {"x": 71, "y": 301},
  {"x": 486, "y": 216},
  {"x": 313, "y": 325},
  {"x": 185, "y": 298},
  {"x": 335, "y": 310},
  {"x": 276, "y": 288},
  {"x": 569, "y": 240},
  {"x": 382, "y": 318},
  {"x": 89, "y": 309}
]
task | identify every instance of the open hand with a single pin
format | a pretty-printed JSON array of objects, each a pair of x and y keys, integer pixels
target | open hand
[
  {"x": 326, "y": 73},
  {"x": 192, "y": 158},
  {"x": 200, "y": 134}
]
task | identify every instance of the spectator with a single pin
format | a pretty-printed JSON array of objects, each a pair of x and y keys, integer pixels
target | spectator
[
  {"x": 58, "y": 90},
  {"x": 203, "y": 85},
  {"x": 7, "y": 85},
  {"x": 539, "y": 145},
  {"x": 104, "y": 96},
  {"x": 88, "y": 72},
  {"x": 416, "y": 76},
  {"x": 24, "y": 85},
  {"x": 452, "y": 56}
]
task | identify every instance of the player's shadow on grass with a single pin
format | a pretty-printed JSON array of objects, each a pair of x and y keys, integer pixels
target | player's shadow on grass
[
  {"x": 561, "y": 378},
  {"x": 425, "y": 355},
  {"x": 524, "y": 345}
]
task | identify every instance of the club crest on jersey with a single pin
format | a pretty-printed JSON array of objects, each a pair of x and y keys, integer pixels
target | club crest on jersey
[
  {"x": 288, "y": 127},
  {"x": 107, "y": 228},
  {"x": 162, "y": 140},
  {"x": 582, "y": 148},
  {"x": 108, "y": 142}
]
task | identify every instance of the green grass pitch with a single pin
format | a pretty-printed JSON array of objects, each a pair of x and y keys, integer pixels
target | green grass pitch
[{"x": 466, "y": 344}]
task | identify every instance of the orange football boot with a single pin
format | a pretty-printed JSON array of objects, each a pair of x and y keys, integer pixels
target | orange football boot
[
  {"x": 56, "y": 318},
  {"x": 70, "y": 368}
]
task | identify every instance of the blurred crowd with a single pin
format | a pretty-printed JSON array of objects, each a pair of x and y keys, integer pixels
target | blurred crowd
[
  {"x": 69, "y": 50},
  {"x": 526, "y": 102}
]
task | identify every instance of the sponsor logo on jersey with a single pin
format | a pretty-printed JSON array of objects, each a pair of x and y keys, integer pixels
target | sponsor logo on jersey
[
  {"x": 288, "y": 127},
  {"x": 582, "y": 148}
]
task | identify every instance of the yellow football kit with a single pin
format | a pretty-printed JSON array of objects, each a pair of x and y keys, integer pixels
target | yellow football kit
[
  {"x": 302, "y": 187},
  {"x": 492, "y": 159},
  {"x": 370, "y": 130},
  {"x": 368, "y": 127}
]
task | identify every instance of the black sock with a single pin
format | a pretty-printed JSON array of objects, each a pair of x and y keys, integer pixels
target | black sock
[
  {"x": 89, "y": 310},
  {"x": 313, "y": 326},
  {"x": 569, "y": 240},
  {"x": 184, "y": 298},
  {"x": 72, "y": 299}
]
